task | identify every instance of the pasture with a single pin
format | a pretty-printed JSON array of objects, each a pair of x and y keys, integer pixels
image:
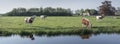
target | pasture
[{"x": 57, "y": 24}]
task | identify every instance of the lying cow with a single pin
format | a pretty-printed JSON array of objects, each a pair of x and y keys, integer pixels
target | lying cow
[{"x": 86, "y": 22}]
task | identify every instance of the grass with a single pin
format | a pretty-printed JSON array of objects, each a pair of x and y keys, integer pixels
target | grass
[{"x": 57, "y": 25}]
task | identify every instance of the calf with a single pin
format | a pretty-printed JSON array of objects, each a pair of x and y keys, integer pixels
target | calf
[{"x": 86, "y": 22}]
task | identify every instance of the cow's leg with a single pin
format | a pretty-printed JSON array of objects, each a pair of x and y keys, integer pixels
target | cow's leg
[
  {"x": 30, "y": 24},
  {"x": 86, "y": 26},
  {"x": 82, "y": 25},
  {"x": 89, "y": 26}
]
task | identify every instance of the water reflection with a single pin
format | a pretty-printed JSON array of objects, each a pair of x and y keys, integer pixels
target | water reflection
[
  {"x": 31, "y": 36},
  {"x": 62, "y": 39},
  {"x": 86, "y": 36},
  {"x": 28, "y": 36}
]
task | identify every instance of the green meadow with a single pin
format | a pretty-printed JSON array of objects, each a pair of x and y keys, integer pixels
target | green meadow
[{"x": 58, "y": 25}]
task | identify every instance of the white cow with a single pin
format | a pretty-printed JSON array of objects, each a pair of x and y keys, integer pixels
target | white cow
[{"x": 43, "y": 17}]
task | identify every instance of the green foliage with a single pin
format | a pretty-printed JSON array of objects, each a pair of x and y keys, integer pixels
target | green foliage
[{"x": 49, "y": 11}]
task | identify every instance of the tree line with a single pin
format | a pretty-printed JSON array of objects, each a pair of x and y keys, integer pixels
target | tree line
[
  {"x": 49, "y": 11},
  {"x": 40, "y": 11}
]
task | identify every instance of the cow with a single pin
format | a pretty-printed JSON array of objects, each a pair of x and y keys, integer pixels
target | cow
[
  {"x": 43, "y": 17},
  {"x": 86, "y": 22},
  {"x": 99, "y": 17},
  {"x": 30, "y": 19}
]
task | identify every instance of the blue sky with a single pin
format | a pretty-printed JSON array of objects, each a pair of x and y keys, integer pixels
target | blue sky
[{"x": 8, "y": 5}]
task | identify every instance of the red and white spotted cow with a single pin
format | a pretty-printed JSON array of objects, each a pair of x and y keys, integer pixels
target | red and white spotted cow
[{"x": 86, "y": 22}]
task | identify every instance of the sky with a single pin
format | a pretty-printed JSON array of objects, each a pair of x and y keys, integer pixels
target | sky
[{"x": 8, "y": 5}]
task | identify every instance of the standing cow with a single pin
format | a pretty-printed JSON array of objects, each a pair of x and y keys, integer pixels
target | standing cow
[
  {"x": 30, "y": 19},
  {"x": 99, "y": 17},
  {"x": 86, "y": 22},
  {"x": 43, "y": 17}
]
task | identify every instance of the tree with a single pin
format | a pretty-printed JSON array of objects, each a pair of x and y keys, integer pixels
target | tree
[
  {"x": 106, "y": 8},
  {"x": 93, "y": 12},
  {"x": 49, "y": 11},
  {"x": 79, "y": 12}
]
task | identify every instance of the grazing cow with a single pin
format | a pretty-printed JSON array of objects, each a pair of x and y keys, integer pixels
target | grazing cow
[
  {"x": 30, "y": 19},
  {"x": 86, "y": 22},
  {"x": 43, "y": 16}
]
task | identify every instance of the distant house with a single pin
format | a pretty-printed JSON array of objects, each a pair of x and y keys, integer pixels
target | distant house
[
  {"x": 117, "y": 13},
  {"x": 86, "y": 14}
]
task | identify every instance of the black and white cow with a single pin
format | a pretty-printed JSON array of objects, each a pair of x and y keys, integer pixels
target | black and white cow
[
  {"x": 30, "y": 19},
  {"x": 99, "y": 17}
]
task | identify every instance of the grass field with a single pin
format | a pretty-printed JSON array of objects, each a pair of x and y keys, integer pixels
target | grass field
[{"x": 52, "y": 24}]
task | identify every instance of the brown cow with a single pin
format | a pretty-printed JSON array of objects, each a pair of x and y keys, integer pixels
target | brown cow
[{"x": 86, "y": 22}]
